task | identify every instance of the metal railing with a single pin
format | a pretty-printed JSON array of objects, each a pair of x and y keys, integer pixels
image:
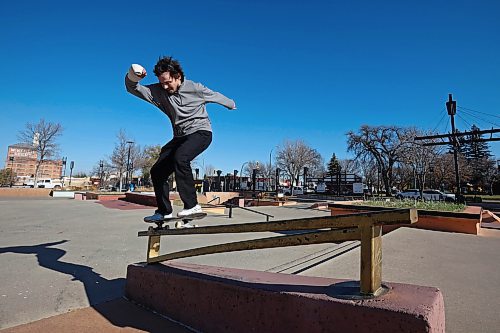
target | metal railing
[
  {"x": 365, "y": 227},
  {"x": 231, "y": 206}
]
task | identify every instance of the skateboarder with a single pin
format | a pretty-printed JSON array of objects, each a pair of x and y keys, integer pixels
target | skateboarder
[{"x": 183, "y": 101}]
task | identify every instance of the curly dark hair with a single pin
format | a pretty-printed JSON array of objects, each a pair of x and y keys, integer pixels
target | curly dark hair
[{"x": 167, "y": 64}]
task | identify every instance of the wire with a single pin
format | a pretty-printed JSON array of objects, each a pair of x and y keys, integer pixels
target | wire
[
  {"x": 465, "y": 121},
  {"x": 439, "y": 123},
  {"x": 473, "y": 115},
  {"x": 487, "y": 114}
]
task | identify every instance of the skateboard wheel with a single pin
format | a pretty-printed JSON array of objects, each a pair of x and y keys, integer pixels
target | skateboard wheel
[{"x": 178, "y": 225}]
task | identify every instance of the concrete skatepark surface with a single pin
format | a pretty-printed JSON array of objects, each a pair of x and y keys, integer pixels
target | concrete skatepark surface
[{"x": 59, "y": 255}]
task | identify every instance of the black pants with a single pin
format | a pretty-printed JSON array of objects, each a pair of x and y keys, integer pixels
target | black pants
[{"x": 176, "y": 156}]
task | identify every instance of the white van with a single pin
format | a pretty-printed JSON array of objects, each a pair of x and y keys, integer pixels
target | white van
[{"x": 46, "y": 183}]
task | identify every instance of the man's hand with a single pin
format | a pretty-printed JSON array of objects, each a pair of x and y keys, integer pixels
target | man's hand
[{"x": 136, "y": 73}]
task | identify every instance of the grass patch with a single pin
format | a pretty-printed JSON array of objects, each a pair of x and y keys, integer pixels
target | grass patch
[{"x": 426, "y": 205}]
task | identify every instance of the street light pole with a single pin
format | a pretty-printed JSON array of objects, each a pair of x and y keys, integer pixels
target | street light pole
[
  {"x": 11, "y": 159},
  {"x": 128, "y": 164},
  {"x": 269, "y": 172},
  {"x": 71, "y": 166},
  {"x": 101, "y": 174},
  {"x": 64, "y": 159}
]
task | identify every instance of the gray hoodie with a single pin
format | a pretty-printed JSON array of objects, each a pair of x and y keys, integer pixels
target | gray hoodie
[{"x": 185, "y": 108}]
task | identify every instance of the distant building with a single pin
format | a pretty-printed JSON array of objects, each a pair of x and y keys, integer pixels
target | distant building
[{"x": 22, "y": 158}]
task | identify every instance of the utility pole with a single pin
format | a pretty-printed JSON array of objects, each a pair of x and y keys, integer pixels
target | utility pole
[{"x": 451, "y": 107}]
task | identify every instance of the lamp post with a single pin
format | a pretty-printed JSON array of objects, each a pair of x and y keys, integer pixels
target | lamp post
[
  {"x": 11, "y": 159},
  {"x": 269, "y": 172},
  {"x": 235, "y": 173},
  {"x": 101, "y": 173},
  {"x": 128, "y": 164},
  {"x": 277, "y": 180},
  {"x": 64, "y": 159},
  {"x": 71, "y": 166},
  {"x": 218, "y": 180}
]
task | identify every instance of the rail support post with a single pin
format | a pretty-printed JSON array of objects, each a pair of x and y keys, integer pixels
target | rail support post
[
  {"x": 371, "y": 260},
  {"x": 153, "y": 247}
]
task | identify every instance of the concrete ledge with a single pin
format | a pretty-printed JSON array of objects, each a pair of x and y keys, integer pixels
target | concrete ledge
[
  {"x": 63, "y": 194},
  {"x": 215, "y": 299},
  {"x": 104, "y": 196},
  {"x": 467, "y": 222},
  {"x": 24, "y": 192}
]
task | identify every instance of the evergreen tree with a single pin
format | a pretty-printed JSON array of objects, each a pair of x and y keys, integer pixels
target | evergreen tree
[
  {"x": 478, "y": 156},
  {"x": 333, "y": 166},
  {"x": 475, "y": 150}
]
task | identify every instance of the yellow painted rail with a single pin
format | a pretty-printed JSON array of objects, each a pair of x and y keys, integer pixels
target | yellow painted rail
[{"x": 365, "y": 227}]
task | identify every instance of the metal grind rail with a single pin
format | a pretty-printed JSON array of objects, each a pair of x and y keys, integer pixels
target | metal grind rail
[
  {"x": 365, "y": 227},
  {"x": 231, "y": 206}
]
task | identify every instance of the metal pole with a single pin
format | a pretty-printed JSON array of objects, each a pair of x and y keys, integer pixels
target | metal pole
[
  {"x": 128, "y": 164},
  {"x": 64, "y": 160},
  {"x": 235, "y": 172},
  {"x": 71, "y": 166},
  {"x": 270, "y": 168},
  {"x": 101, "y": 166},
  {"x": 11, "y": 169}
]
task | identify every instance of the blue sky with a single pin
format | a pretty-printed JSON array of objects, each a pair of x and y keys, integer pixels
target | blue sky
[{"x": 310, "y": 70}]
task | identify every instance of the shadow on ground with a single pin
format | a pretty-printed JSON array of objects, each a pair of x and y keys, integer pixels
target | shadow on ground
[{"x": 105, "y": 296}]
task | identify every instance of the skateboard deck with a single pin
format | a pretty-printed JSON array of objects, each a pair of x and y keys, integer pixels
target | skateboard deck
[{"x": 179, "y": 221}]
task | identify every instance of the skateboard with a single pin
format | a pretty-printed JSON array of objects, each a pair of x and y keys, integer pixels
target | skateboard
[{"x": 179, "y": 222}]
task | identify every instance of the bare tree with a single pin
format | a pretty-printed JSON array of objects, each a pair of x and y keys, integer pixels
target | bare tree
[
  {"x": 385, "y": 144},
  {"x": 104, "y": 172},
  {"x": 150, "y": 155},
  {"x": 293, "y": 156},
  {"x": 120, "y": 155},
  {"x": 42, "y": 136}
]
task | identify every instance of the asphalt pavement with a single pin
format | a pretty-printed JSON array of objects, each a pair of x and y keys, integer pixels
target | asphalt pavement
[{"x": 58, "y": 255}]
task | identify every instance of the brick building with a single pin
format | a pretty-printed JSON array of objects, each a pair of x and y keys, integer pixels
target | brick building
[{"x": 22, "y": 158}]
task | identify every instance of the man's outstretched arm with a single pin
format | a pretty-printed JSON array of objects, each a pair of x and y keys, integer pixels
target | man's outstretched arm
[
  {"x": 215, "y": 97},
  {"x": 135, "y": 74}
]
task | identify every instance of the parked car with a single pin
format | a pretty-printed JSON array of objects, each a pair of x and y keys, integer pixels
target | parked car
[
  {"x": 436, "y": 195},
  {"x": 428, "y": 195},
  {"x": 409, "y": 194},
  {"x": 295, "y": 190}
]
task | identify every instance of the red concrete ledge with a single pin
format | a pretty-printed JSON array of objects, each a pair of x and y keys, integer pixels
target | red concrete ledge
[
  {"x": 215, "y": 299},
  {"x": 467, "y": 222},
  {"x": 24, "y": 192},
  {"x": 103, "y": 196}
]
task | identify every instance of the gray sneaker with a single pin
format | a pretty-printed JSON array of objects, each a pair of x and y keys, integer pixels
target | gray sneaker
[{"x": 157, "y": 217}]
